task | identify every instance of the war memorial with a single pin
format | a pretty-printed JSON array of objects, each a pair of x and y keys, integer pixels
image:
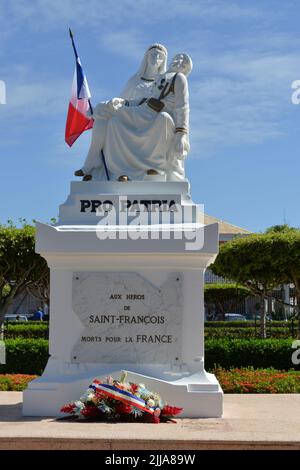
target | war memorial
[
  {"x": 127, "y": 257},
  {"x": 128, "y": 254}
]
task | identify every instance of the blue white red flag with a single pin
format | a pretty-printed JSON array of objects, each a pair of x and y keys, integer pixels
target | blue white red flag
[
  {"x": 122, "y": 395},
  {"x": 77, "y": 119}
]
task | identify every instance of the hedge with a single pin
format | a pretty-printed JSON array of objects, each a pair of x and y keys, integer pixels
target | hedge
[
  {"x": 258, "y": 353},
  {"x": 25, "y": 330},
  {"x": 29, "y": 356},
  {"x": 249, "y": 323},
  {"x": 247, "y": 333},
  {"x": 25, "y": 323},
  {"x": 25, "y": 356},
  {"x": 41, "y": 330}
]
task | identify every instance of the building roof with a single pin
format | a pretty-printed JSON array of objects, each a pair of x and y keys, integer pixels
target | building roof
[{"x": 226, "y": 230}]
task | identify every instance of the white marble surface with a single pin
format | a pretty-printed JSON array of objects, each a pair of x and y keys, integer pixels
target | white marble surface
[
  {"x": 88, "y": 201},
  {"x": 112, "y": 335}
]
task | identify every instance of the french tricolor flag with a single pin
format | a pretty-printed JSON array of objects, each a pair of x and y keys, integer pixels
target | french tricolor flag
[{"x": 77, "y": 120}]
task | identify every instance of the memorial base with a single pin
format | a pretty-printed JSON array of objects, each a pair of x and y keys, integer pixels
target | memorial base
[
  {"x": 200, "y": 394},
  {"x": 127, "y": 297}
]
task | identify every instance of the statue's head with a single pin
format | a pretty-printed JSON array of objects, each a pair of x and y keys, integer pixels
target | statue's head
[
  {"x": 181, "y": 63},
  {"x": 157, "y": 56}
]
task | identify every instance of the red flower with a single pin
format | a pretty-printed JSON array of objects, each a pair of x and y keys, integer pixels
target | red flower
[
  {"x": 134, "y": 388},
  {"x": 151, "y": 418},
  {"x": 68, "y": 408},
  {"x": 120, "y": 385},
  {"x": 90, "y": 411},
  {"x": 170, "y": 410},
  {"x": 123, "y": 409},
  {"x": 155, "y": 419}
]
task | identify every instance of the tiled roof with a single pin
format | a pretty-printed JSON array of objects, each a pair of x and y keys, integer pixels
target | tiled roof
[{"x": 225, "y": 228}]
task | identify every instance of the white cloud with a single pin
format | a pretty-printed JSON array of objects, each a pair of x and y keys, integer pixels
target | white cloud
[
  {"x": 240, "y": 99},
  {"x": 36, "y": 98},
  {"x": 126, "y": 43},
  {"x": 240, "y": 85},
  {"x": 45, "y": 14},
  {"x": 32, "y": 98}
]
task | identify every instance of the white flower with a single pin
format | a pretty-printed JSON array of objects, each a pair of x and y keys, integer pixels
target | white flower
[
  {"x": 105, "y": 408},
  {"x": 79, "y": 404},
  {"x": 136, "y": 412},
  {"x": 79, "y": 407},
  {"x": 87, "y": 396},
  {"x": 150, "y": 403}
]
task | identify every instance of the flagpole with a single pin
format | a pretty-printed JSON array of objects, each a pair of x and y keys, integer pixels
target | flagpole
[
  {"x": 73, "y": 44},
  {"x": 90, "y": 104}
]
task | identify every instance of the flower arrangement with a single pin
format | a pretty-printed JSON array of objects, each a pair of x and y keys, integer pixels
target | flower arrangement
[{"x": 115, "y": 400}]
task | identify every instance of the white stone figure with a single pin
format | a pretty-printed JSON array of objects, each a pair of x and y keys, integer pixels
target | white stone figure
[
  {"x": 138, "y": 87},
  {"x": 152, "y": 138}
]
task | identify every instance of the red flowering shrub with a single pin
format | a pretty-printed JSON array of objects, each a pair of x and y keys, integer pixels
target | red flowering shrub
[
  {"x": 15, "y": 382},
  {"x": 249, "y": 380}
]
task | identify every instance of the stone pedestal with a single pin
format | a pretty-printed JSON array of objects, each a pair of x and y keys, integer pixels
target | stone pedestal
[{"x": 127, "y": 263}]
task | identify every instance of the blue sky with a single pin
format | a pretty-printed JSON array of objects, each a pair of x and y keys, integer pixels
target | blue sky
[{"x": 244, "y": 160}]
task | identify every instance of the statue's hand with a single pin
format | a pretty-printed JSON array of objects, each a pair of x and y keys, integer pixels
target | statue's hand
[
  {"x": 181, "y": 145},
  {"x": 117, "y": 103}
]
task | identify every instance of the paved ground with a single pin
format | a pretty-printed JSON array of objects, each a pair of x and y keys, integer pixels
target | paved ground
[{"x": 249, "y": 422}]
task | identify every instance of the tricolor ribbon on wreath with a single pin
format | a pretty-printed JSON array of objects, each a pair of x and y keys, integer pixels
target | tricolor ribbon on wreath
[{"x": 122, "y": 395}]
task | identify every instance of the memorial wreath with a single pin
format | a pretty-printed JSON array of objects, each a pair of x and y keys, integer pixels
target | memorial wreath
[{"x": 119, "y": 400}]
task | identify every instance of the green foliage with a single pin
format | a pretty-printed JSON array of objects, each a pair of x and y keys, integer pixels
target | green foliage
[
  {"x": 250, "y": 332},
  {"x": 228, "y": 353},
  {"x": 5, "y": 290},
  {"x": 30, "y": 355},
  {"x": 244, "y": 324},
  {"x": 26, "y": 330},
  {"x": 242, "y": 330},
  {"x": 25, "y": 356},
  {"x": 249, "y": 261},
  {"x": 21, "y": 269},
  {"x": 214, "y": 293},
  {"x": 280, "y": 228},
  {"x": 5, "y": 384},
  {"x": 261, "y": 262},
  {"x": 16, "y": 249},
  {"x": 267, "y": 259}
]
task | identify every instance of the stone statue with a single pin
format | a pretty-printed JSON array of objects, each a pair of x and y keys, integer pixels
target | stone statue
[
  {"x": 138, "y": 87},
  {"x": 151, "y": 137}
]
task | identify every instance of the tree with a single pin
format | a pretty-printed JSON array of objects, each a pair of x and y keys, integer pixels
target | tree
[
  {"x": 225, "y": 296},
  {"x": 21, "y": 269},
  {"x": 287, "y": 262},
  {"x": 252, "y": 262},
  {"x": 280, "y": 228}
]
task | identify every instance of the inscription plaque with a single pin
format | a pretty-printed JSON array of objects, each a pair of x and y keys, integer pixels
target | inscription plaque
[{"x": 126, "y": 318}]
